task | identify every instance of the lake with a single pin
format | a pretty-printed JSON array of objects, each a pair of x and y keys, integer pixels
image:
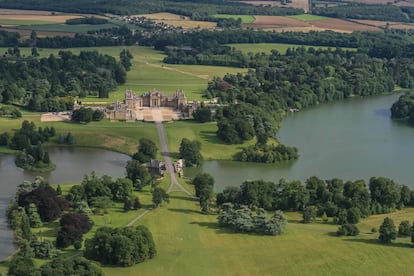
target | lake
[
  {"x": 71, "y": 165},
  {"x": 352, "y": 139}
]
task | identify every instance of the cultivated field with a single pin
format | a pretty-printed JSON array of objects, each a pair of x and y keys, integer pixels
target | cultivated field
[
  {"x": 299, "y": 4},
  {"x": 178, "y": 20},
  {"x": 27, "y": 17},
  {"x": 392, "y": 25},
  {"x": 63, "y": 29},
  {"x": 307, "y": 23},
  {"x": 268, "y": 47},
  {"x": 26, "y": 33}
]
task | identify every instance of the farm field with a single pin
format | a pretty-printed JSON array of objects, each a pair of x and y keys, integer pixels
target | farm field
[
  {"x": 244, "y": 18},
  {"x": 268, "y": 47},
  {"x": 299, "y": 4},
  {"x": 392, "y": 25},
  {"x": 149, "y": 72},
  {"x": 308, "y": 17},
  {"x": 178, "y": 20},
  {"x": 282, "y": 23},
  {"x": 64, "y": 28}
]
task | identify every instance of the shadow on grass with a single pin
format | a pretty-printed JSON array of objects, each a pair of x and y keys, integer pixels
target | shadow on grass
[
  {"x": 377, "y": 242},
  {"x": 211, "y": 136},
  {"x": 184, "y": 211},
  {"x": 214, "y": 226},
  {"x": 183, "y": 198}
]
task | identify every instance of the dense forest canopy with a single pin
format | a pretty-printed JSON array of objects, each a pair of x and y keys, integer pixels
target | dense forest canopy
[
  {"x": 50, "y": 84},
  {"x": 369, "y": 12}
]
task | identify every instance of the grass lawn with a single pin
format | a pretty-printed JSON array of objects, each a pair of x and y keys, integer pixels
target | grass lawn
[
  {"x": 246, "y": 19},
  {"x": 280, "y": 47},
  {"x": 190, "y": 243},
  {"x": 211, "y": 146},
  {"x": 308, "y": 17}
]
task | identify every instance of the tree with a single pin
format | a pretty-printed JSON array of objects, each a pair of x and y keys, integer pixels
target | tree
[
  {"x": 190, "y": 152},
  {"x": 59, "y": 190},
  {"x": 34, "y": 217},
  {"x": 387, "y": 231},
  {"x": 202, "y": 114},
  {"x": 348, "y": 229},
  {"x": 159, "y": 195},
  {"x": 121, "y": 246},
  {"x": 309, "y": 214},
  {"x": 137, "y": 203},
  {"x": 204, "y": 188},
  {"x": 70, "y": 266},
  {"x": 147, "y": 150},
  {"x": 139, "y": 174},
  {"x": 127, "y": 204},
  {"x": 404, "y": 229},
  {"x": 21, "y": 266}
]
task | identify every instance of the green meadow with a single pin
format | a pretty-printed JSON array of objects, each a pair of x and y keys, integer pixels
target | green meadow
[
  {"x": 211, "y": 146},
  {"x": 246, "y": 19},
  {"x": 117, "y": 136},
  {"x": 280, "y": 47},
  {"x": 308, "y": 17}
]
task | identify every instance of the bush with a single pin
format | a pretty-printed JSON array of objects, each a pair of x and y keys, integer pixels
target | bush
[
  {"x": 404, "y": 229},
  {"x": 348, "y": 230}
]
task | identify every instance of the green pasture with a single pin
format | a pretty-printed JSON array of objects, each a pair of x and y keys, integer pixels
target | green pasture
[
  {"x": 189, "y": 243},
  {"x": 246, "y": 19},
  {"x": 149, "y": 72},
  {"x": 22, "y": 22},
  {"x": 308, "y": 17},
  {"x": 81, "y": 28},
  {"x": 211, "y": 146},
  {"x": 280, "y": 47}
]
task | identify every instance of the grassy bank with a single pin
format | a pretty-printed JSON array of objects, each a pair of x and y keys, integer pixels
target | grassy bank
[
  {"x": 211, "y": 146},
  {"x": 117, "y": 136}
]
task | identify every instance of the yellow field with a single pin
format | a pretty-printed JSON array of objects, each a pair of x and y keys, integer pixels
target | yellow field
[{"x": 178, "y": 20}]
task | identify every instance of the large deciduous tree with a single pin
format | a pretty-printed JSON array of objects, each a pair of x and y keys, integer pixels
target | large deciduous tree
[{"x": 387, "y": 231}]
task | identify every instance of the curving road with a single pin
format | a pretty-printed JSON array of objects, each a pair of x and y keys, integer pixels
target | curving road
[{"x": 168, "y": 163}]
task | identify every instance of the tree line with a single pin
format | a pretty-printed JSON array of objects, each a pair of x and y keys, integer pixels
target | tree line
[
  {"x": 368, "y": 12},
  {"x": 345, "y": 201}
]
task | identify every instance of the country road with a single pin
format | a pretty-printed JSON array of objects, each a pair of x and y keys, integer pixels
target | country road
[{"x": 168, "y": 162}]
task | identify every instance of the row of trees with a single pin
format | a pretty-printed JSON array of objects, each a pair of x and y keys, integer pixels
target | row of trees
[
  {"x": 346, "y": 201},
  {"x": 370, "y": 12}
]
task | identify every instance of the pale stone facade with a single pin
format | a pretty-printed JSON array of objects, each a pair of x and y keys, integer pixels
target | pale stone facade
[{"x": 139, "y": 107}]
